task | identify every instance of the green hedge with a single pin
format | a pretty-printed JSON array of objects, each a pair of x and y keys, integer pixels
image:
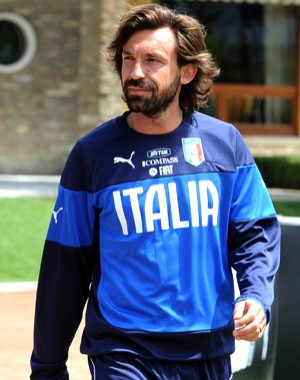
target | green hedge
[{"x": 280, "y": 172}]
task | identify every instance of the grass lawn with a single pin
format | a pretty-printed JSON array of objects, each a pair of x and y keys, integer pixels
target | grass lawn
[
  {"x": 23, "y": 227},
  {"x": 288, "y": 208}
]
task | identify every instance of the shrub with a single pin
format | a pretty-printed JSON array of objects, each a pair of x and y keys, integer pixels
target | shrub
[{"x": 280, "y": 172}]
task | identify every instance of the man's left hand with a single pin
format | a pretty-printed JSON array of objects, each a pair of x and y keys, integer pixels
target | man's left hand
[{"x": 249, "y": 319}]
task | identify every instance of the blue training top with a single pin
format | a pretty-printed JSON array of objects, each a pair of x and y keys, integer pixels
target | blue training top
[{"x": 156, "y": 222}]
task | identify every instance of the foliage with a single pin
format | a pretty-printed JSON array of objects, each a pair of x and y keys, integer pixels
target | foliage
[{"x": 280, "y": 172}]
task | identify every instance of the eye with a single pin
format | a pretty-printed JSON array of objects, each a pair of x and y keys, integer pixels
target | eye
[
  {"x": 152, "y": 59},
  {"x": 127, "y": 57}
]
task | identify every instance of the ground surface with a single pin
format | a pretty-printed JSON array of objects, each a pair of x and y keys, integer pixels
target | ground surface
[{"x": 16, "y": 325}]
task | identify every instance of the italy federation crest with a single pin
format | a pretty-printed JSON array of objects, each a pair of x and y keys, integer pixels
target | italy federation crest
[{"x": 193, "y": 151}]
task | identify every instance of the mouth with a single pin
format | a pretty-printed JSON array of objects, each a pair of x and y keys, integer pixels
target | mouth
[
  {"x": 138, "y": 87},
  {"x": 137, "y": 90}
]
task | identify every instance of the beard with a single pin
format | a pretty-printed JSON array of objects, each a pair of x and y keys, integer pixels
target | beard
[{"x": 157, "y": 103}]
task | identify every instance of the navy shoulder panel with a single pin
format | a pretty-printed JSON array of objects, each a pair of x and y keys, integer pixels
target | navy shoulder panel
[
  {"x": 96, "y": 160},
  {"x": 223, "y": 139},
  {"x": 77, "y": 173}
]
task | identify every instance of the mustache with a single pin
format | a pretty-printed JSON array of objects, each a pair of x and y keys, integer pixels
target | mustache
[{"x": 141, "y": 83}]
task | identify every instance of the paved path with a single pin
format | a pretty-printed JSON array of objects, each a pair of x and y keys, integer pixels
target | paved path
[
  {"x": 16, "y": 326},
  {"x": 28, "y": 185},
  {"x": 46, "y": 186}
]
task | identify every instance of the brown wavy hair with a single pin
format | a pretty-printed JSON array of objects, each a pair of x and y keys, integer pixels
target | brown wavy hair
[{"x": 191, "y": 48}]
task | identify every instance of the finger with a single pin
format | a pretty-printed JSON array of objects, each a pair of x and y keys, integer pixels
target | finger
[
  {"x": 243, "y": 314},
  {"x": 251, "y": 335},
  {"x": 252, "y": 331},
  {"x": 251, "y": 311},
  {"x": 239, "y": 310}
]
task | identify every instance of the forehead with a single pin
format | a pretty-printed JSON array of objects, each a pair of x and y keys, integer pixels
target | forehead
[{"x": 159, "y": 40}]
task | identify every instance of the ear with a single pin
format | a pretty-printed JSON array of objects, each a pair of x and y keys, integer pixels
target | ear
[{"x": 188, "y": 73}]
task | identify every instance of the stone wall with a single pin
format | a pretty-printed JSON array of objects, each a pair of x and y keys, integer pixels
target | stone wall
[{"x": 65, "y": 91}]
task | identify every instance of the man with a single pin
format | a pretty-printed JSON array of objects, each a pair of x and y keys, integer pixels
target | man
[{"x": 154, "y": 209}]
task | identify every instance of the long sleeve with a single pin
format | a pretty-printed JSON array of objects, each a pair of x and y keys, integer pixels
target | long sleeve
[
  {"x": 65, "y": 276},
  {"x": 254, "y": 237}
]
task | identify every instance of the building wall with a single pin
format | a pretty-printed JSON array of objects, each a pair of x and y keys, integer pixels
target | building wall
[{"x": 65, "y": 91}]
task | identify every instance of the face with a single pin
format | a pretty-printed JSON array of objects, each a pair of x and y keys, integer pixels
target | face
[{"x": 151, "y": 77}]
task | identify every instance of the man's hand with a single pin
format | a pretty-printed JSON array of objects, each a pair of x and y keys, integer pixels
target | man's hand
[{"x": 250, "y": 320}]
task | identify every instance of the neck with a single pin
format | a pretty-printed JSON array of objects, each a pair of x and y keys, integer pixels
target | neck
[{"x": 157, "y": 124}]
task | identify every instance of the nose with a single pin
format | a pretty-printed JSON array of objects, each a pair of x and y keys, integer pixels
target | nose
[{"x": 137, "y": 71}]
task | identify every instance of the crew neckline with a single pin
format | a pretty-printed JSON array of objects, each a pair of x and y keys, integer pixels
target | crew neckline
[{"x": 125, "y": 126}]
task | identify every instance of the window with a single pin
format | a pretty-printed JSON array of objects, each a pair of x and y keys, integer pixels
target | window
[
  {"x": 17, "y": 42},
  {"x": 255, "y": 46}
]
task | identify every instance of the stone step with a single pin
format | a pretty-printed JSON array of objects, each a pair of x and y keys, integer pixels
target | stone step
[{"x": 273, "y": 146}]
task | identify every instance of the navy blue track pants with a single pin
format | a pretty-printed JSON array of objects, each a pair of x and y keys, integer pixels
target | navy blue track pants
[{"x": 128, "y": 367}]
